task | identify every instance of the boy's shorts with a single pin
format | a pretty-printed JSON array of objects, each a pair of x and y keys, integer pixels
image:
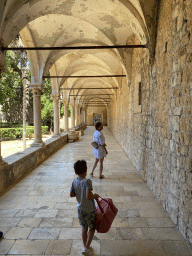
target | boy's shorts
[{"x": 86, "y": 219}]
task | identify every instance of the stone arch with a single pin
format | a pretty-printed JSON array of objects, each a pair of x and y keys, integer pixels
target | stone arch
[{"x": 21, "y": 14}]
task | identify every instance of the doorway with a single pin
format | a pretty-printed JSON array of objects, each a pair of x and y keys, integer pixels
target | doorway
[{"x": 97, "y": 117}]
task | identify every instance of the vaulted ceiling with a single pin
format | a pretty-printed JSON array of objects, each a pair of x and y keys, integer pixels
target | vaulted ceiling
[{"x": 62, "y": 23}]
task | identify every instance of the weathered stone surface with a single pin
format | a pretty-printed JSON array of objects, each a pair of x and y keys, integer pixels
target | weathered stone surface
[
  {"x": 159, "y": 137},
  {"x": 20, "y": 165}
]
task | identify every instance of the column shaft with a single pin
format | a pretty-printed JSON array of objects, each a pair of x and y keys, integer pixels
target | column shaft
[
  {"x": 79, "y": 115},
  {"x": 76, "y": 115},
  {"x": 3, "y": 164},
  {"x": 66, "y": 115},
  {"x": 56, "y": 114},
  {"x": 2, "y": 69},
  {"x": 37, "y": 117},
  {"x": 72, "y": 115}
]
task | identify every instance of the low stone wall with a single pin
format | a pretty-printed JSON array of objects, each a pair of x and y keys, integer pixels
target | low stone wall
[
  {"x": 20, "y": 164},
  {"x": 81, "y": 127}
]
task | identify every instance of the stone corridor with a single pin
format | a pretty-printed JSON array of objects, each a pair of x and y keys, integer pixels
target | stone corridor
[{"x": 38, "y": 217}]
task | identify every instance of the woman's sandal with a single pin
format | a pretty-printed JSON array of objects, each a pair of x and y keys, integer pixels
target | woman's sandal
[
  {"x": 101, "y": 177},
  {"x": 91, "y": 174}
]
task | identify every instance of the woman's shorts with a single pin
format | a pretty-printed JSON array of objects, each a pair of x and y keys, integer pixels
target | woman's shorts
[{"x": 86, "y": 219}]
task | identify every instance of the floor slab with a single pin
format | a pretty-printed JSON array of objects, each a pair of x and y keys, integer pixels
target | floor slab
[{"x": 38, "y": 217}]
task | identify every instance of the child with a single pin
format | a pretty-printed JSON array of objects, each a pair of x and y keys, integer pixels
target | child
[
  {"x": 100, "y": 152},
  {"x": 82, "y": 189}
]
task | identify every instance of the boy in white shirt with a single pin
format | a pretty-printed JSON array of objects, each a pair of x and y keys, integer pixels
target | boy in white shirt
[{"x": 82, "y": 189}]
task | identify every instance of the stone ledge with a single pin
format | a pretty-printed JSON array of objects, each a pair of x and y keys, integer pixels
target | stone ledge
[
  {"x": 21, "y": 163},
  {"x": 73, "y": 136},
  {"x": 81, "y": 127}
]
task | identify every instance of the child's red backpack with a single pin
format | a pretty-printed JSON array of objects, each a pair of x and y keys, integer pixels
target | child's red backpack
[{"x": 105, "y": 214}]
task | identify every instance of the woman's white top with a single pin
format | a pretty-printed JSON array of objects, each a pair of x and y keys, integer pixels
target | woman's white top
[{"x": 100, "y": 139}]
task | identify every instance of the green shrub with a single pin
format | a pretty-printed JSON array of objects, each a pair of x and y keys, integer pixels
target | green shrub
[
  {"x": 9, "y": 125},
  {"x": 17, "y": 133},
  {"x": 44, "y": 129}
]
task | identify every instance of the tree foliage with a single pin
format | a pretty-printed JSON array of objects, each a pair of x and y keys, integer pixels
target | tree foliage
[
  {"x": 11, "y": 88},
  {"x": 47, "y": 104}
]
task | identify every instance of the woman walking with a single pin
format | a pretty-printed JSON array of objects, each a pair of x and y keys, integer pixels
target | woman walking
[{"x": 101, "y": 151}]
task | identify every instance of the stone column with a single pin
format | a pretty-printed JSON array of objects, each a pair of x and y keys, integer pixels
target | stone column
[
  {"x": 37, "y": 117},
  {"x": 72, "y": 105},
  {"x": 3, "y": 164},
  {"x": 76, "y": 114},
  {"x": 85, "y": 116},
  {"x": 79, "y": 115},
  {"x": 107, "y": 117},
  {"x": 56, "y": 115},
  {"x": 66, "y": 114},
  {"x": 2, "y": 69}
]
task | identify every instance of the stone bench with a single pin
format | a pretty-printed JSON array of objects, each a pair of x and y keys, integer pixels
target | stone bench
[
  {"x": 81, "y": 132},
  {"x": 73, "y": 136}
]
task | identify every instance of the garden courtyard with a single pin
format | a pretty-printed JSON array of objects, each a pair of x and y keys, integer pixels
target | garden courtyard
[{"x": 11, "y": 147}]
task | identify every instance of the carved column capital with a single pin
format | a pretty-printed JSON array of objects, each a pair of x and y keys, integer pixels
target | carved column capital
[
  {"x": 36, "y": 89},
  {"x": 65, "y": 102},
  {"x": 55, "y": 96},
  {"x": 72, "y": 104}
]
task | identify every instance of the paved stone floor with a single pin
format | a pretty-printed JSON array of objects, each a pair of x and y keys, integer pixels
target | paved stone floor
[{"x": 38, "y": 217}]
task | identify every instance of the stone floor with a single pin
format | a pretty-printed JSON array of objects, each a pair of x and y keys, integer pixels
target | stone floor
[{"x": 38, "y": 217}]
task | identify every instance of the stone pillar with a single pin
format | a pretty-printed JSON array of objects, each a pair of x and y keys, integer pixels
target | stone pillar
[
  {"x": 2, "y": 69},
  {"x": 85, "y": 115},
  {"x": 66, "y": 114},
  {"x": 37, "y": 117},
  {"x": 56, "y": 115},
  {"x": 3, "y": 164},
  {"x": 76, "y": 115},
  {"x": 72, "y": 105},
  {"x": 79, "y": 115},
  {"x": 107, "y": 117}
]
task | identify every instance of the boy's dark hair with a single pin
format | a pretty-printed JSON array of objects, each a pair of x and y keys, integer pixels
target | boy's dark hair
[
  {"x": 97, "y": 125},
  {"x": 80, "y": 166}
]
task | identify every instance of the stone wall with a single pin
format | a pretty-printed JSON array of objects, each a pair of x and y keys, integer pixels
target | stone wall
[
  {"x": 20, "y": 164},
  {"x": 99, "y": 110},
  {"x": 156, "y": 135}
]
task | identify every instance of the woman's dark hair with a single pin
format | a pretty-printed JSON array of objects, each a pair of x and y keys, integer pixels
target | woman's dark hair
[
  {"x": 97, "y": 125},
  {"x": 80, "y": 166}
]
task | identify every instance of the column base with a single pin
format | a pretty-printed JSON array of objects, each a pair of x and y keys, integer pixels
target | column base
[{"x": 38, "y": 144}]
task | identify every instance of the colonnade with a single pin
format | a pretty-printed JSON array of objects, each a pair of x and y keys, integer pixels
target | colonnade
[{"x": 78, "y": 117}]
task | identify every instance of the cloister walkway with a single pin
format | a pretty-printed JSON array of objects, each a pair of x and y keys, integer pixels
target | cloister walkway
[{"x": 38, "y": 217}]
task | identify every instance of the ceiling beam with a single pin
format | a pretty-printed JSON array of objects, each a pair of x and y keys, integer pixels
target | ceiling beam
[
  {"x": 99, "y": 102},
  {"x": 96, "y": 106},
  {"x": 95, "y": 101},
  {"x": 83, "y": 76},
  {"x": 90, "y": 88},
  {"x": 91, "y": 94},
  {"x": 2, "y": 48}
]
